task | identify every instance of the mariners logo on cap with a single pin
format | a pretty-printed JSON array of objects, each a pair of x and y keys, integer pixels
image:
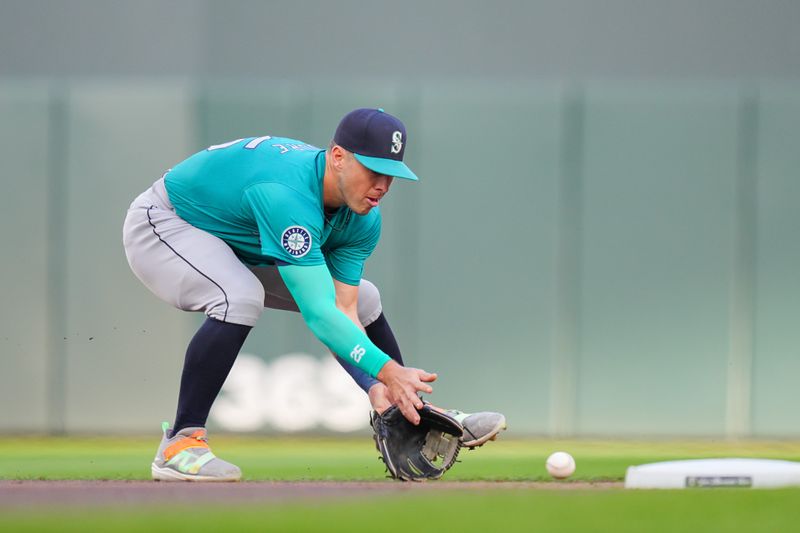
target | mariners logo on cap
[
  {"x": 397, "y": 142},
  {"x": 296, "y": 240}
]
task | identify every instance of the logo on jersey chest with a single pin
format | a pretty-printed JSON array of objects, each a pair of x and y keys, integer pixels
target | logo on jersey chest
[{"x": 296, "y": 240}]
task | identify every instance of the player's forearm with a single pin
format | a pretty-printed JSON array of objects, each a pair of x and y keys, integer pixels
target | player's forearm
[
  {"x": 343, "y": 338},
  {"x": 313, "y": 291},
  {"x": 352, "y": 314},
  {"x": 362, "y": 379}
]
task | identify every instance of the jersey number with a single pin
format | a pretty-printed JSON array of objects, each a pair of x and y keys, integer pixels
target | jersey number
[
  {"x": 357, "y": 353},
  {"x": 252, "y": 145}
]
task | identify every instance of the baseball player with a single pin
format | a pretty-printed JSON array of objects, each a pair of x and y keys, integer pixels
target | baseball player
[{"x": 275, "y": 222}]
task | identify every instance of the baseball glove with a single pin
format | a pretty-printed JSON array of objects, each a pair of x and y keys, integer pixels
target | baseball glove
[{"x": 416, "y": 453}]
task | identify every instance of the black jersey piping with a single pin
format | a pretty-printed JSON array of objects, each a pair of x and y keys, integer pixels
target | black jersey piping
[{"x": 224, "y": 294}]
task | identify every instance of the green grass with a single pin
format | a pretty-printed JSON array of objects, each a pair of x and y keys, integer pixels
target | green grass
[
  {"x": 614, "y": 510},
  {"x": 724, "y": 510},
  {"x": 356, "y": 459}
]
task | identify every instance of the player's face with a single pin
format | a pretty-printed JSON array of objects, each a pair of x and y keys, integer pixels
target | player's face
[{"x": 360, "y": 188}]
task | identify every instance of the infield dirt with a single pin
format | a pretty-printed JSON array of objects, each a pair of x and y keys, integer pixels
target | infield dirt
[{"x": 80, "y": 493}]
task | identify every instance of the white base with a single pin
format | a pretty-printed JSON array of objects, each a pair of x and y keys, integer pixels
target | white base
[{"x": 755, "y": 473}]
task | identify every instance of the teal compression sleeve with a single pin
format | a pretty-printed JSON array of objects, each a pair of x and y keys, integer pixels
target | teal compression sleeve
[{"x": 313, "y": 291}]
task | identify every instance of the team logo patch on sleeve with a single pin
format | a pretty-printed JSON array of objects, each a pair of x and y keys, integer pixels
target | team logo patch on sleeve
[{"x": 296, "y": 240}]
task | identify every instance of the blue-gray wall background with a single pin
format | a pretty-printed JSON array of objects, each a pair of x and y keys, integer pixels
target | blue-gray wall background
[{"x": 604, "y": 240}]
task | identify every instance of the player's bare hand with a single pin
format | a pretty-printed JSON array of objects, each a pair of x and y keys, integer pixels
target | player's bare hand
[
  {"x": 379, "y": 398},
  {"x": 403, "y": 385}
]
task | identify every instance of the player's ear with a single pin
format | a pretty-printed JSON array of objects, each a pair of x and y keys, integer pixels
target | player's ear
[{"x": 338, "y": 156}]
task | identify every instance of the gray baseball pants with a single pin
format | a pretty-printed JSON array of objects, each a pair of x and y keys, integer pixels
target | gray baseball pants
[{"x": 196, "y": 271}]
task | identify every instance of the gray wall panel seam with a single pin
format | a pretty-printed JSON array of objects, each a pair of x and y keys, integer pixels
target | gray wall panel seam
[
  {"x": 738, "y": 421},
  {"x": 409, "y": 104},
  {"x": 57, "y": 154},
  {"x": 564, "y": 388}
]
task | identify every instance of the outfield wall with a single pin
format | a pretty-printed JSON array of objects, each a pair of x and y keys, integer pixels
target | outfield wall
[{"x": 592, "y": 259}]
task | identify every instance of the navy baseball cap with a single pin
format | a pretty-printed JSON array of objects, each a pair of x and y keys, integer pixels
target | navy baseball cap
[{"x": 377, "y": 140}]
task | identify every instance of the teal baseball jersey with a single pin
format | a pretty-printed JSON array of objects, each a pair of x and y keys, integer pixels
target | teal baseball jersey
[{"x": 263, "y": 197}]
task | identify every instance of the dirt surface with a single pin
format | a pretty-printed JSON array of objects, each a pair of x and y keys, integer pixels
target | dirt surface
[{"x": 83, "y": 493}]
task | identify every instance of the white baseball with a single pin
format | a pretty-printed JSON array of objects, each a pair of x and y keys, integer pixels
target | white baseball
[{"x": 560, "y": 465}]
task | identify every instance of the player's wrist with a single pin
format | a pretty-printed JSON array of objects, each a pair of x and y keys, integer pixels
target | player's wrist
[
  {"x": 379, "y": 397},
  {"x": 388, "y": 370}
]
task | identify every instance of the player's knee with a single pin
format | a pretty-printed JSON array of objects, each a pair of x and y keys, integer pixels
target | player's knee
[
  {"x": 241, "y": 304},
  {"x": 369, "y": 303}
]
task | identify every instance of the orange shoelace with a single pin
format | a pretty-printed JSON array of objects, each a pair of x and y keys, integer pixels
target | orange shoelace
[{"x": 195, "y": 440}]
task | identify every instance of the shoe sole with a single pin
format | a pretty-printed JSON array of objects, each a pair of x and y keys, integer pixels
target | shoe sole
[
  {"x": 168, "y": 474},
  {"x": 492, "y": 435}
]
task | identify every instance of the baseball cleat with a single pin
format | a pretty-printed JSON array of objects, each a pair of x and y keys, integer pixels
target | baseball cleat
[
  {"x": 479, "y": 428},
  {"x": 186, "y": 456}
]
